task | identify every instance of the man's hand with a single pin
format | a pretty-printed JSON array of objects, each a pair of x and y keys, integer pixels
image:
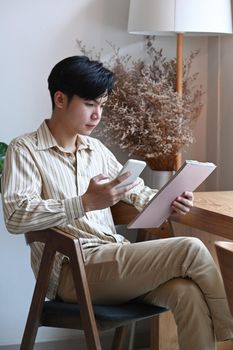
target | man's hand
[
  {"x": 101, "y": 194},
  {"x": 183, "y": 203}
]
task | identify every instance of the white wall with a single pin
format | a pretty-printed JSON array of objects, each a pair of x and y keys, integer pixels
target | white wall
[{"x": 34, "y": 36}]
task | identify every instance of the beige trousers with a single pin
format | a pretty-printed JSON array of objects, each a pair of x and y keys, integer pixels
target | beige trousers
[{"x": 178, "y": 273}]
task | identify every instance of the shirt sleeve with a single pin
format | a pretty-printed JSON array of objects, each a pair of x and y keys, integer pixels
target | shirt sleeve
[{"x": 24, "y": 208}]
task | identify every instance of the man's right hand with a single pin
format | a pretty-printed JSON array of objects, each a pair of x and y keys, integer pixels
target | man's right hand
[{"x": 101, "y": 194}]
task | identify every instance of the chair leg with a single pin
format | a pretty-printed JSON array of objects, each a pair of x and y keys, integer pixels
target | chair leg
[
  {"x": 132, "y": 335},
  {"x": 119, "y": 337},
  {"x": 38, "y": 298},
  {"x": 154, "y": 333},
  {"x": 165, "y": 331},
  {"x": 86, "y": 308}
]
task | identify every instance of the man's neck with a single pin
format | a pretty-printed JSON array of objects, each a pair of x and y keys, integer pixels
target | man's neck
[{"x": 65, "y": 140}]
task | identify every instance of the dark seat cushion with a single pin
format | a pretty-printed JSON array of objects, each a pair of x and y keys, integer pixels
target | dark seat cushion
[{"x": 67, "y": 315}]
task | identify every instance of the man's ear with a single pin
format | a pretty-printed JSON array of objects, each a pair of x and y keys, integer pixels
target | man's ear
[{"x": 59, "y": 99}]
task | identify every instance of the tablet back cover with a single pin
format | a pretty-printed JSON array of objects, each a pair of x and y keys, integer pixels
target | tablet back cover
[{"x": 187, "y": 178}]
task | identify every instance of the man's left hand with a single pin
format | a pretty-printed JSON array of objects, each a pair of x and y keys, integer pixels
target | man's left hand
[{"x": 183, "y": 204}]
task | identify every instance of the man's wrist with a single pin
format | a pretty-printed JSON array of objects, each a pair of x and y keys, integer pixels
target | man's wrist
[{"x": 85, "y": 203}]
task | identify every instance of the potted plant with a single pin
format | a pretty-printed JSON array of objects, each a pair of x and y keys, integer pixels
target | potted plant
[
  {"x": 144, "y": 115},
  {"x": 3, "y": 148}
]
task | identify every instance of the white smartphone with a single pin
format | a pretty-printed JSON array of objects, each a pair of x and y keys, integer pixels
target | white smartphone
[{"x": 135, "y": 167}]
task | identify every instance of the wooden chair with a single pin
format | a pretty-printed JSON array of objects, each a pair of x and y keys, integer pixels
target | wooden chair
[
  {"x": 225, "y": 258},
  {"x": 85, "y": 316}
]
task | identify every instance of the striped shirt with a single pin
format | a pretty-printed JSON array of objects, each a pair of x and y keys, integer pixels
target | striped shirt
[{"x": 42, "y": 185}]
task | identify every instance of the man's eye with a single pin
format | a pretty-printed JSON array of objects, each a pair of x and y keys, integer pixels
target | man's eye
[{"x": 89, "y": 104}]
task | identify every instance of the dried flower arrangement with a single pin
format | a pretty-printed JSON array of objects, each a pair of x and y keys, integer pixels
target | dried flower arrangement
[{"x": 144, "y": 115}]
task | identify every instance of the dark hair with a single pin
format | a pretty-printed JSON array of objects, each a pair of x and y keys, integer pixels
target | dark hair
[{"x": 78, "y": 75}]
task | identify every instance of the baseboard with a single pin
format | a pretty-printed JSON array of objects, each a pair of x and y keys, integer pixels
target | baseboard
[
  {"x": 71, "y": 344},
  {"x": 78, "y": 342}
]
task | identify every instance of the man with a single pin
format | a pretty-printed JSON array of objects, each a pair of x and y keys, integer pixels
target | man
[{"x": 56, "y": 176}]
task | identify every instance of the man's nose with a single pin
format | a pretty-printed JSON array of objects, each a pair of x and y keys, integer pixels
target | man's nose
[{"x": 97, "y": 113}]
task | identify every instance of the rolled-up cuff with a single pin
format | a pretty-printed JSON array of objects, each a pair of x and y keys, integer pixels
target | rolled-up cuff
[{"x": 74, "y": 208}]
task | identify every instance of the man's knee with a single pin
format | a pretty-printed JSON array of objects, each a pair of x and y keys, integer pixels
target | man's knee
[
  {"x": 175, "y": 289},
  {"x": 194, "y": 243},
  {"x": 179, "y": 292},
  {"x": 184, "y": 288}
]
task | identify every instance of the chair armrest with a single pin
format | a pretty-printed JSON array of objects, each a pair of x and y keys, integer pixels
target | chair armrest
[
  {"x": 56, "y": 240},
  {"x": 43, "y": 235}
]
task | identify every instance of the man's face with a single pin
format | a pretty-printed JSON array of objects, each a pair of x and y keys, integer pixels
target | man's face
[{"x": 82, "y": 116}]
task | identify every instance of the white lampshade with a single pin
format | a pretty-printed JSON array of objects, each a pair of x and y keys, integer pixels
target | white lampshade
[{"x": 167, "y": 17}]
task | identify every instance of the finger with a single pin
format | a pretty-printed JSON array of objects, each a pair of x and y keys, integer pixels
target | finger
[
  {"x": 130, "y": 186},
  {"x": 119, "y": 179},
  {"x": 100, "y": 177},
  {"x": 119, "y": 193},
  {"x": 179, "y": 211},
  {"x": 184, "y": 201},
  {"x": 188, "y": 195},
  {"x": 104, "y": 180},
  {"x": 179, "y": 207},
  {"x": 122, "y": 190},
  {"x": 176, "y": 211}
]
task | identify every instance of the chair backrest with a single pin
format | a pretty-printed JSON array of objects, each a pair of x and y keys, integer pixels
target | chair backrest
[{"x": 225, "y": 258}]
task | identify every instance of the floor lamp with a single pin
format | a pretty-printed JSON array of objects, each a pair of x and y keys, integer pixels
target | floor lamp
[{"x": 179, "y": 17}]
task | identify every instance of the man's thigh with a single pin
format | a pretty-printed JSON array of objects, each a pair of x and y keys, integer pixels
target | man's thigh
[{"x": 117, "y": 273}]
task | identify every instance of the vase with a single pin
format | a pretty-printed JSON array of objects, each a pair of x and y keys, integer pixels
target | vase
[
  {"x": 156, "y": 178},
  {"x": 168, "y": 163}
]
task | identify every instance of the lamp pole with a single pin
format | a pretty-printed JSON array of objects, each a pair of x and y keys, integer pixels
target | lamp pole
[
  {"x": 179, "y": 83},
  {"x": 179, "y": 64}
]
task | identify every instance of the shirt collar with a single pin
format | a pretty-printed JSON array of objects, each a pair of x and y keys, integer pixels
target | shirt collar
[
  {"x": 84, "y": 143},
  {"x": 46, "y": 139}
]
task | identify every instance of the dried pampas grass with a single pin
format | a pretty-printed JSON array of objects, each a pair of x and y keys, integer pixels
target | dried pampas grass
[{"x": 144, "y": 115}]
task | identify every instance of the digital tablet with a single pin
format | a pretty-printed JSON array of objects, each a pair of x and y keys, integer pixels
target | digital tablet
[{"x": 191, "y": 174}]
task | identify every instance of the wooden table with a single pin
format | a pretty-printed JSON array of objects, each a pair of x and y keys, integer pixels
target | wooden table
[{"x": 212, "y": 212}]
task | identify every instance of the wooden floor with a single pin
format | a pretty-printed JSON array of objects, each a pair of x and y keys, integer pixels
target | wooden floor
[
  {"x": 73, "y": 344},
  {"x": 168, "y": 341}
]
